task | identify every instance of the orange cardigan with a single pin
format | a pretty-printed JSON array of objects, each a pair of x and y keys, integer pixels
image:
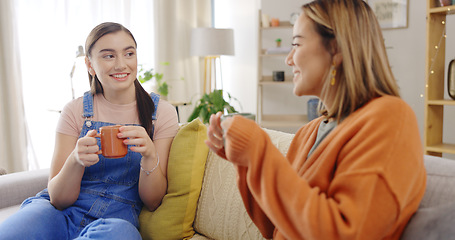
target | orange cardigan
[{"x": 364, "y": 181}]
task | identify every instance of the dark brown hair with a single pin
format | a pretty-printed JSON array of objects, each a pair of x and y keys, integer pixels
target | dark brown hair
[{"x": 145, "y": 105}]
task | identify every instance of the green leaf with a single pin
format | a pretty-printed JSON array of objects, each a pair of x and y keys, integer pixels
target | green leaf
[
  {"x": 210, "y": 104},
  {"x": 145, "y": 76},
  {"x": 163, "y": 89},
  {"x": 158, "y": 76},
  {"x": 203, "y": 114},
  {"x": 195, "y": 113}
]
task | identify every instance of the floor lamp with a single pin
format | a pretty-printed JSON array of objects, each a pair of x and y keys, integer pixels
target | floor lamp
[
  {"x": 211, "y": 43},
  {"x": 79, "y": 53}
]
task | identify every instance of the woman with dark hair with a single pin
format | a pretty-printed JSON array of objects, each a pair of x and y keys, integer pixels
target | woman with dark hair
[
  {"x": 90, "y": 196},
  {"x": 357, "y": 171}
]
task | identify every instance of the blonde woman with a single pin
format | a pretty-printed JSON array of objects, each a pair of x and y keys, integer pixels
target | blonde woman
[{"x": 357, "y": 171}]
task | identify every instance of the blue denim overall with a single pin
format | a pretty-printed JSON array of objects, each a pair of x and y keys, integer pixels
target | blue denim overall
[{"x": 108, "y": 205}]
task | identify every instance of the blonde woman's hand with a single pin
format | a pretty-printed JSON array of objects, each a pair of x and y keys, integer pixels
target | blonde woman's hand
[
  {"x": 86, "y": 151},
  {"x": 215, "y": 131}
]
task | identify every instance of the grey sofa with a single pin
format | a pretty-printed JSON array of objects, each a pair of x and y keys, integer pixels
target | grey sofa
[{"x": 435, "y": 218}]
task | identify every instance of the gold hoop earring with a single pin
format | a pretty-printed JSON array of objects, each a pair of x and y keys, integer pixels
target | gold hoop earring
[{"x": 333, "y": 74}]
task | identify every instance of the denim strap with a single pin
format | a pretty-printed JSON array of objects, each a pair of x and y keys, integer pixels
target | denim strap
[
  {"x": 88, "y": 105},
  {"x": 156, "y": 99}
]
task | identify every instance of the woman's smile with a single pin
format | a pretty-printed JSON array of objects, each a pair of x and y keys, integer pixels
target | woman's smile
[{"x": 120, "y": 76}]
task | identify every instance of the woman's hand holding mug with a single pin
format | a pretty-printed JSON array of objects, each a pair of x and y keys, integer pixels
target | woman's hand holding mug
[
  {"x": 215, "y": 133},
  {"x": 86, "y": 151}
]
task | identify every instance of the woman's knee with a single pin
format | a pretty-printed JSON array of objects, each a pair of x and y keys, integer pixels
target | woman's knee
[
  {"x": 34, "y": 219},
  {"x": 110, "y": 228}
]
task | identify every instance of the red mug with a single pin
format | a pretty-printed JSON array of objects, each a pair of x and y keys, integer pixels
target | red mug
[{"x": 111, "y": 145}]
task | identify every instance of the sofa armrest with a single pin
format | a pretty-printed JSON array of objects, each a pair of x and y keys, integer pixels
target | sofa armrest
[{"x": 16, "y": 187}]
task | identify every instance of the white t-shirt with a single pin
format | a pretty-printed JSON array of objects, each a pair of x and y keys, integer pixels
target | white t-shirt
[{"x": 71, "y": 119}]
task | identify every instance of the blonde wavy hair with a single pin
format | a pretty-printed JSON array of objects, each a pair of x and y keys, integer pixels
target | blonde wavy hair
[{"x": 364, "y": 72}]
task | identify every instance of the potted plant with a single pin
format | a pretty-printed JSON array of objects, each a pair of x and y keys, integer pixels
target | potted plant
[
  {"x": 210, "y": 104},
  {"x": 146, "y": 75},
  {"x": 278, "y": 42}
]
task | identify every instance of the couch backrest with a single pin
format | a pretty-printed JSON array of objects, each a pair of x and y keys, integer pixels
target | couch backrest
[
  {"x": 220, "y": 212},
  {"x": 15, "y": 188},
  {"x": 440, "y": 182},
  {"x": 435, "y": 218}
]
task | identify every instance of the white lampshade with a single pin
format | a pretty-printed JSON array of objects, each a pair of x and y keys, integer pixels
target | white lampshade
[
  {"x": 80, "y": 51},
  {"x": 79, "y": 87},
  {"x": 212, "y": 42}
]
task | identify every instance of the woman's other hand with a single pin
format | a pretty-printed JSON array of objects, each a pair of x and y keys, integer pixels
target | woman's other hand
[
  {"x": 86, "y": 151},
  {"x": 137, "y": 136}
]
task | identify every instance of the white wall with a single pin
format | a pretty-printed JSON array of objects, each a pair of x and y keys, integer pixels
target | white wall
[
  {"x": 240, "y": 71},
  {"x": 406, "y": 50}
]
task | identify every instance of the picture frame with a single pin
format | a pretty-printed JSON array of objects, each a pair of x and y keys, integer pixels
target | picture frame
[{"x": 390, "y": 13}]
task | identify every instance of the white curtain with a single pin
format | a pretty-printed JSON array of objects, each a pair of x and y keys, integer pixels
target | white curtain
[
  {"x": 174, "y": 20},
  {"x": 13, "y": 142}
]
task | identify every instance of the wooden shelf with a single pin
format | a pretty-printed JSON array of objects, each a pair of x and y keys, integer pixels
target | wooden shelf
[
  {"x": 443, "y": 10},
  {"x": 274, "y": 55},
  {"x": 435, "y": 81},
  {"x": 291, "y": 120},
  {"x": 441, "y": 148},
  {"x": 282, "y": 54},
  {"x": 283, "y": 25},
  {"x": 441, "y": 102},
  {"x": 268, "y": 80},
  {"x": 265, "y": 83},
  {"x": 266, "y": 64}
]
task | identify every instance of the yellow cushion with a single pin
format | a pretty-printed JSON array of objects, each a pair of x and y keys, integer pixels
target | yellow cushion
[{"x": 173, "y": 219}]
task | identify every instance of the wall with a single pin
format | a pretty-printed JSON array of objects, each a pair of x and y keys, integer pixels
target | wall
[
  {"x": 240, "y": 71},
  {"x": 406, "y": 50}
]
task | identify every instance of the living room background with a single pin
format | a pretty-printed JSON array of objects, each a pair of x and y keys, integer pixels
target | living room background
[{"x": 47, "y": 61}]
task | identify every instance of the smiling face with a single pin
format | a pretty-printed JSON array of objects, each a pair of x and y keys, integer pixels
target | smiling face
[
  {"x": 113, "y": 60},
  {"x": 309, "y": 58}
]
